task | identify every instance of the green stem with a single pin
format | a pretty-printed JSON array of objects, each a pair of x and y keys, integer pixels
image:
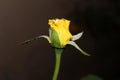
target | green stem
[{"x": 58, "y": 53}]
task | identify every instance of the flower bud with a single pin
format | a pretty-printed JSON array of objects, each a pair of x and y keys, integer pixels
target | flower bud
[{"x": 59, "y": 32}]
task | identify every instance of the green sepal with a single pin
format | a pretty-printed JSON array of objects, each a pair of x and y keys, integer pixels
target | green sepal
[
  {"x": 54, "y": 37},
  {"x": 77, "y": 36},
  {"x": 36, "y": 38},
  {"x": 77, "y": 47}
]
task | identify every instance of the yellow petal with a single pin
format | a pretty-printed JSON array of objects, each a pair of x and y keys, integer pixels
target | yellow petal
[{"x": 61, "y": 26}]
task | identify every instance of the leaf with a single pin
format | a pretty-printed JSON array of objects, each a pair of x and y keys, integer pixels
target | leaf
[
  {"x": 77, "y": 47},
  {"x": 36, "y": 38},
  {"x": 77, "y": 36},
  {"x": 91, "y": 77}
]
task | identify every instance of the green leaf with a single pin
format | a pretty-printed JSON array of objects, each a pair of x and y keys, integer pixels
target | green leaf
[
  {"x": 91, "y": 77},
  {"x": 77, "y": 47},
  {"x": 77, "y": 36},
  {"x": 36, "y": 38}
]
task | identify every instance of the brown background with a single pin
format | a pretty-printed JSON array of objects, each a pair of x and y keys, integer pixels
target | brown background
[{"x": 24, "y": 19}]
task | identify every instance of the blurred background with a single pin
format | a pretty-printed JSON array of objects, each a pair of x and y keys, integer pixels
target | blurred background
[{"x": 23, "y": 19}]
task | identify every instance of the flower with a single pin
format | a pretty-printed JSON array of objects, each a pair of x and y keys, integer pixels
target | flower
[
  {"x": 59, "y": 32},
  {"x": 59, "y": 35}
]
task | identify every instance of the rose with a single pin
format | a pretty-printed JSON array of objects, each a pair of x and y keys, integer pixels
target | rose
[
  {"x": 59, "y": 32},
  {"x": 59, "y": 37}
]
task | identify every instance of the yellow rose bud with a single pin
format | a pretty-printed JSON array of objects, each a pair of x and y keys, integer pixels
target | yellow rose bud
[
  {"x": 59, "y": 34},
  {"x": 59, "y": 37}
]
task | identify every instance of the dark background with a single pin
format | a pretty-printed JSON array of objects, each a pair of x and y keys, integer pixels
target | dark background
[{"x": 24, "y": 19}]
